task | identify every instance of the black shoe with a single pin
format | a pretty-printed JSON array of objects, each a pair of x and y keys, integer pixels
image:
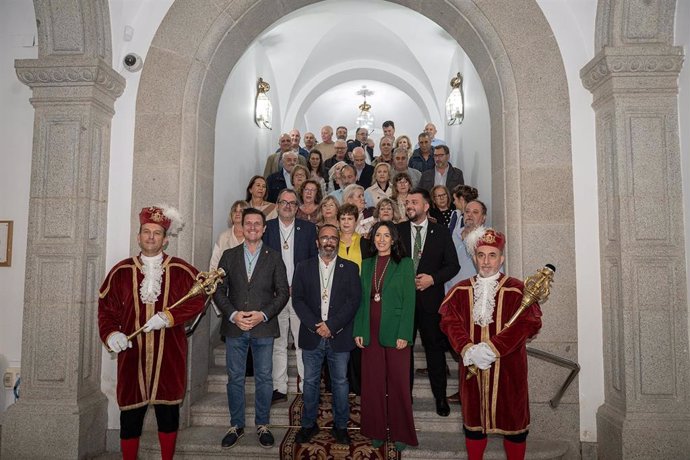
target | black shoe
[
  {"x": 278, "y": 397},
  {"x": 341, "y": 436},
  {"x": 421, "y": 371},
  {"x": 304, "y": 434},
  {"x": 442, "y": 407},
  {"x": 265, "y": 437},
  {"x": 232, "y": 436}
]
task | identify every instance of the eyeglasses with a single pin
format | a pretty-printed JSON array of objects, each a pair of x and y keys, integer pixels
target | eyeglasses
[
  {"x": 287, "y": 203},
  {"x": 326, "y": 239}
]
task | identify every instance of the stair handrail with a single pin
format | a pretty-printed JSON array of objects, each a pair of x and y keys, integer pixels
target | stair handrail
[{"x": 562, "y": 362}]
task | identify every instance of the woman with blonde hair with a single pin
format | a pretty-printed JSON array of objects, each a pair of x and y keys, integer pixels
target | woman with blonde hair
[
  {"x": 298, "y": 176},
  {"x": 380, "y": 183},
  {"x": 387, "y": 211},
  {"x": 403, "y": 142},
  {"x": 231, "y": 237},
  {"x": 328, "y": 211}
]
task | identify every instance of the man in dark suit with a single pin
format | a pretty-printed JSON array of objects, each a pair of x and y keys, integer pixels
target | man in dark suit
[
  {"x": 364, "y": 171},
  {"x": 325, "y": 295},
  {"x": 431, "y": 247},
  {"x": 281, "y": 179},
  {"x": 250, "y": 297},
  {"x": 295, "y": 241},
  {"x": 443, "y": 173}
]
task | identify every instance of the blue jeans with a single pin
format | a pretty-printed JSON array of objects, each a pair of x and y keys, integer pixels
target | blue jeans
[
  {"x": 337, "y": 366},
  {"x": 236, "y": 366}
]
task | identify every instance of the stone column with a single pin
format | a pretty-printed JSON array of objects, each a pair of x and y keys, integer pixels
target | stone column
[
  {"x": 62, "y": 412},
  {"x": 646, "y": 413}
]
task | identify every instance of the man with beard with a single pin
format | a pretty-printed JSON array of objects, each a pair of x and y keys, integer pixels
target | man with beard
[
  {"x": 474, "y": 316},
  {"x": 325, "y": 296},
  {"x": 435, "y": 262}
]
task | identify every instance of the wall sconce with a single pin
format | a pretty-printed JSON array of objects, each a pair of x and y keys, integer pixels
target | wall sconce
[
  {"x": 365, "y": 119},
  {"x": 263, "y": 110},
  {"x": 455, "y": 104}
]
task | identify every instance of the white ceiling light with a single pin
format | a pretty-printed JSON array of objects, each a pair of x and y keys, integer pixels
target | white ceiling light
[{"x": 365, "y": 119}]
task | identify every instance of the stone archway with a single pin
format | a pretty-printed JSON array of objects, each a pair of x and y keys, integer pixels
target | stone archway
[{"x": 523, "y": 76}]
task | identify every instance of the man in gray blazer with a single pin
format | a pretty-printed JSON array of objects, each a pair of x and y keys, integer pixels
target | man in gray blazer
[{"x": 252, "y": 294}]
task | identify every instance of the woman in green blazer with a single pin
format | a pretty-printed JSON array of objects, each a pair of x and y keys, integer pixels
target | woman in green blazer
[{"x": 383, "y": 330}]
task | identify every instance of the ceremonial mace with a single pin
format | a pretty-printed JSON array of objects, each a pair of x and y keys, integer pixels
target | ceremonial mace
[
  {"x": 537, "y": 289},
  {"x": 206, "y": 283}
]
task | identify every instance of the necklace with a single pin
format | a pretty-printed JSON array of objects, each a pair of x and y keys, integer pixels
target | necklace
[
  {"x": 377, "y": 282},
  {"x": 285, "y": 239},
  {"x": 326, "y": 281},
  {"x": 250, "y": 260}
]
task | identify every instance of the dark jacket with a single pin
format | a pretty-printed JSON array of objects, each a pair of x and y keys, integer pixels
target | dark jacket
[
  {"x": 439, "y": 260},
  {"x": 274, "y": 184},
  {"x": 419, "y": 163},
  {"x": 366, "y": 176},
  {"x": 454, "y": 178},
  {"x": 344, "y": 302},
  {"x": 267, "y": 292},
  {"x": 305, "y": 239}
]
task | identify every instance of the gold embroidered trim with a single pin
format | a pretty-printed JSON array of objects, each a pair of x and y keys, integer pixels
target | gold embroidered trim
[{"x": 110, "y": 279}]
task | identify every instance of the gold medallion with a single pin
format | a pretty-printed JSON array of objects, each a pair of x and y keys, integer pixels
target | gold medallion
[{"x": 286, "y": 246}]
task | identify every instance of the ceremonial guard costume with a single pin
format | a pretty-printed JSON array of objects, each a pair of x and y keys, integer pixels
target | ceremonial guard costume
[
  {"x": 473, "y": 316},
  {"x": 151, "y": 368}
]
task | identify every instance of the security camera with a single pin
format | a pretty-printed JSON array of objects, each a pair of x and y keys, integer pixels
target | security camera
[{"x": 133, "y": 62}]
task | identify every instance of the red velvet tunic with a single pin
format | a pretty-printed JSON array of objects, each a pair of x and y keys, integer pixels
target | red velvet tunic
[
  {"x": 153, "y": 371},
  {"x": 496, "y": 401}
]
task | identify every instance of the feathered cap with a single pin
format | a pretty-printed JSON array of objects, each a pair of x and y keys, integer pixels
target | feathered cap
[
  {"x": 166, "y": 216},
  {"x": 482, "y": 236}
]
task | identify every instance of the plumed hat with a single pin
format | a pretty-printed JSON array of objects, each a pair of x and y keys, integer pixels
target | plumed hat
[{"x": 166, "y": 216}]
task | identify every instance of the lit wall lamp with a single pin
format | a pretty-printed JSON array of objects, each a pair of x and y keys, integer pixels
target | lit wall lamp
[
  {"x": 263, "y": 110},
  {"x": 455, "y": 104}
]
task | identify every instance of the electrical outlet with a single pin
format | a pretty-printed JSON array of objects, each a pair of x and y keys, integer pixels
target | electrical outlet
[{"x": 10, "y": 377}]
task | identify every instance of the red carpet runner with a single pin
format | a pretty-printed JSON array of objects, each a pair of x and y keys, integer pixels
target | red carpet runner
[{"x": 323, "y": 446}]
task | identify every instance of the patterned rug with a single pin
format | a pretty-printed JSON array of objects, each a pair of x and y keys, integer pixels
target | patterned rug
[{"x": 323, "y": 446}]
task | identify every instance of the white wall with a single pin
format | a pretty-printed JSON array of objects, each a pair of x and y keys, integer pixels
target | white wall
[
  {"x": 17, "y": 36},
  {"x": 241, "y": 146}
]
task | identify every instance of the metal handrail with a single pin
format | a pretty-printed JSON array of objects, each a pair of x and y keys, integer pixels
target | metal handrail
[{"x": 563, "y": 362}]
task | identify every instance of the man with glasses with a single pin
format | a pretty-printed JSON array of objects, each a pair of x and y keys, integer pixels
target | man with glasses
[
  {"x": 443, "y": 172},
  {"x": 340, "y": 155},
  {"x": 251, "y": 296},
  {"x": 326, "y": 293},
  {"x": 294, "y": 240}
]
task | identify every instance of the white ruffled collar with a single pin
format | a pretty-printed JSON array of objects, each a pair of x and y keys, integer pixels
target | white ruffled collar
[
  {"x": 152, "y": 268},
  {"x": 485, "y": 299}
]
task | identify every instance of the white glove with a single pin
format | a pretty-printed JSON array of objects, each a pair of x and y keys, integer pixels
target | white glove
[
  {"x": 483, "y": 356},
  {"x": 467, "y": 359},
  {"x": 118, "y": 342},
  {"x": 156, "y": 322}
]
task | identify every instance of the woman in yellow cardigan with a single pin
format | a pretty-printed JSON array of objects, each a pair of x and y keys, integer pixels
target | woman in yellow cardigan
[{"x": 383, "y": 330}]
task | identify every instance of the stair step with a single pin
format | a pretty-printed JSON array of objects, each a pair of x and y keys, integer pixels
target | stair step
[
  {"x": 212, "y": 410},
  {"x": 204, "y": 442}
]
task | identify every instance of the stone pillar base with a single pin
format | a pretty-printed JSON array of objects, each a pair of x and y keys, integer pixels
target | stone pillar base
[
  {"x": 642, "y": 436},
  {"x": 49, "y": 429}
]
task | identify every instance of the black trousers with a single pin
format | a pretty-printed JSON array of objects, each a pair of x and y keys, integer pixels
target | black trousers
[
  {"x": 478, "y": 435},
  {"x": 132, "y": 420},
  {"x": 435, "y": 347}
]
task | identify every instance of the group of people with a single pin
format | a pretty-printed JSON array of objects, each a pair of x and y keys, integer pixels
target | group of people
[{"x": 353, "y": 261}]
